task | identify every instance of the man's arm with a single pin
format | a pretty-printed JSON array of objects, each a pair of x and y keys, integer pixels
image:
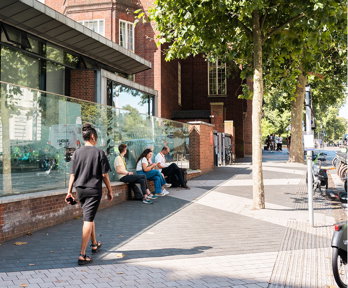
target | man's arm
[
  {"x": 120, "y": 170},
  {"x": 71, "y": 182},
  {"x": 106, "y": 180},
  {"x": 159, "y": 160}
]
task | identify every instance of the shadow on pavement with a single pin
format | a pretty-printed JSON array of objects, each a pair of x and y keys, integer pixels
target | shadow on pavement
[
  {"x": 153, "y": 253},
  {"x": 58, "y": 246}
]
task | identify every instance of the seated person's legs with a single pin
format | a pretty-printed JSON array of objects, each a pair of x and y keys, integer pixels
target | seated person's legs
[{"x": 158, "y": 184}]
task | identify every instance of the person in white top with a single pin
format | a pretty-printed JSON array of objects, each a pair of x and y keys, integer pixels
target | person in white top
[
  {"x": 145, "y": 167},
  {"x": 173, "y": 173},
  {"x": 129, "y": 177}
]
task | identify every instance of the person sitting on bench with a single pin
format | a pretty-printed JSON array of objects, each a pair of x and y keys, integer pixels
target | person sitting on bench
[
  {"x": 174, "y": 174},
  {"x": 131, "y": 178}
]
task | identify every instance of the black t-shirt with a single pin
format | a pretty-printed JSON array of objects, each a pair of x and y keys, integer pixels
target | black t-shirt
[{"x": 88, "y": 165}]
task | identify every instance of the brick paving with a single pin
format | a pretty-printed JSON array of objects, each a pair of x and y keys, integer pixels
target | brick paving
[{"x": 204, "y": 237}]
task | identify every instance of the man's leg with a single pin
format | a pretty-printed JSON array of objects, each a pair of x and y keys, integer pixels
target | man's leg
[
  {"x": 132, "y": 180},
  {"x": 173, "y": 169},
  {"x": 87, "y": 229},
  {"x": 93, "y": 235}
]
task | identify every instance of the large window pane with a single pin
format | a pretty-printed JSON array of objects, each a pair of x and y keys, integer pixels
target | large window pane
[
  {"x": 19, "y": 68},
  {"x": 217, "y": 78},
  {"x": 121, "y": 96},
  {"x": 126, "y": 35}
]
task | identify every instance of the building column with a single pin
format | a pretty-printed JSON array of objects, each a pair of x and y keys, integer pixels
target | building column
[
  {"x": 83, "y": 85},
  {"x": 229, "y": 129},
  {"x": 201, "y": 146},
  {"x": 217, "y": 111}
]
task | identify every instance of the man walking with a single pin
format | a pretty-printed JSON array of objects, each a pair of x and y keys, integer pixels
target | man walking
[{"x": 89, "y": 169}]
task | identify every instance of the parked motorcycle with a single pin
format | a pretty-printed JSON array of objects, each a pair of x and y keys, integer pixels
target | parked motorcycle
[
  {"x": 319, "y": 174},
  {"x": 339, "y": 254}
]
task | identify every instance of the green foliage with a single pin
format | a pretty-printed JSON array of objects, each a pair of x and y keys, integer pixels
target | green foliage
[{"x": 329, "y": 126}]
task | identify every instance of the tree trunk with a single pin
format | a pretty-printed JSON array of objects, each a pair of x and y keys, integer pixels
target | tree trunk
[
  {"x": 6, "y": 147},
  {"x": 296, "y": 144},
  {"x": 258, "y": 188}
]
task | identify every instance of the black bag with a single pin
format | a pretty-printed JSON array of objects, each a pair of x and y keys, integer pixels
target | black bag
[{"x": 184, "y": 175}]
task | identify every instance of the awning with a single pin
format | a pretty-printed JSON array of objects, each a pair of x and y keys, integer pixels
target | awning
[{"x": 44, "y": 22}]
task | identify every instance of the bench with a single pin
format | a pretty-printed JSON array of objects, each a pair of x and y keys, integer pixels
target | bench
[{"x": 22, "y": 214}]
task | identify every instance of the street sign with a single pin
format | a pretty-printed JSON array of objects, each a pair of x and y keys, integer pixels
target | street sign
[{"x": 308, "y": 141}]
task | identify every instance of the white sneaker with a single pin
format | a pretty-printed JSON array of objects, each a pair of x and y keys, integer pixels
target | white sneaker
[
  {"x": 167, "y": 185},
  {"x": 165, "y": 192}
]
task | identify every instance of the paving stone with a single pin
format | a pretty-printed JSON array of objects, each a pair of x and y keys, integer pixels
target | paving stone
[{"x": 204, "y": 237}]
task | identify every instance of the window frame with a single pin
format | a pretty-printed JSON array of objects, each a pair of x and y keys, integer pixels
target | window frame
[
  {"x": 126, "y": 34},
  {"x": 98, "y": 24},
  {"x": 217, "y": 66}
]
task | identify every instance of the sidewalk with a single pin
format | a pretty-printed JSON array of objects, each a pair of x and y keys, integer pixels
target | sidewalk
[{"x": 204, "y": 237}]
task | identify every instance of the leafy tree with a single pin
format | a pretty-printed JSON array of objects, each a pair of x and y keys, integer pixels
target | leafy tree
[
  {"x": 317, "y": 58},
  {"x": 231, "y": 30}
]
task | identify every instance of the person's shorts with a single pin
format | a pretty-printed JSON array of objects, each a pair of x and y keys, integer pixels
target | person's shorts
[{"x": 89, "y": 200}]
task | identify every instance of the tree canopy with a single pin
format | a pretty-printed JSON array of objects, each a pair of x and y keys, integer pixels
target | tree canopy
[{"x": 245, "y": 32}]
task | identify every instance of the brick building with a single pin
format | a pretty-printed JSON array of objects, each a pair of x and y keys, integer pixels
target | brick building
[{"x": 187, "y": 90}]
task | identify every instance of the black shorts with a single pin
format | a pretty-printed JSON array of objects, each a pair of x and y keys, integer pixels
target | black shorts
[{"x": 89, "y": 199}]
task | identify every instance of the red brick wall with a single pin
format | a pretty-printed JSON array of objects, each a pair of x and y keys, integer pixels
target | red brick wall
[
  {"x": 83, "y": 85},
  {"x": 201, "y": 147},
  {"x": 169, "y": 88},
  {"x": 58, "y": 5},
  {"x": 217, "y": 110},
  {"x": 18, "y": 218},
  {"x": 195, "y": 95},
  {"x": 21, "y": 217},
  {"x": 79, "y": 10},
  {"x": 146, "y": 47}
]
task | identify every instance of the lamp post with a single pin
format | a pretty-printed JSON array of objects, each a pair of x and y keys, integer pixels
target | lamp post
[{"x": 309, "y": 145}]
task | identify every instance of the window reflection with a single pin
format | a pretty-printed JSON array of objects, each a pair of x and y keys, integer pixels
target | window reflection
[{"x": 121, "y": 96}]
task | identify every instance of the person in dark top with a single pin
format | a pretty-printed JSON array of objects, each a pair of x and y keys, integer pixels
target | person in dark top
[{"x": 89, "y": 169}]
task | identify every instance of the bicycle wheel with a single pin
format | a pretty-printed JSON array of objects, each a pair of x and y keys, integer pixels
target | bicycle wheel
[{"x": 339, "y": 268}]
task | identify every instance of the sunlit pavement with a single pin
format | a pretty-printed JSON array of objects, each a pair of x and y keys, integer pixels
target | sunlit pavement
[{"x": 208, "y": 236}]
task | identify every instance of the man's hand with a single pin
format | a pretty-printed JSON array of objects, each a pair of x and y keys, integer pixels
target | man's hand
[
  {"x": 109, "y": 196},
  {"x": 130, "y": 173},
  {"x": 68, "y": 195}
]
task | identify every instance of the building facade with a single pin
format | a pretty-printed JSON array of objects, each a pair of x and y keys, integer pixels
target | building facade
[{"x": 187, "y": 90}]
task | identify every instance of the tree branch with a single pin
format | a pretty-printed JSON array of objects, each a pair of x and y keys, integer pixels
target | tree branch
[
  {"x": 280, "y": 27},
  {"x": 263, "y": 21},
  {"x": 246, "y": 29}
]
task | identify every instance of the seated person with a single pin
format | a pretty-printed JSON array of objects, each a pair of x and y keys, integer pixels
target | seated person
[
  {"x": 128, "y": 177},
  {"x": 145, "y": 167},
  {"x": 174, "y": 174}
]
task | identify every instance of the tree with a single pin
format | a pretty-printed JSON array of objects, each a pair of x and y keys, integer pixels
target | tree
[
  {"x": 317, "y": 58},
  {"x": 230, "y": 30}
]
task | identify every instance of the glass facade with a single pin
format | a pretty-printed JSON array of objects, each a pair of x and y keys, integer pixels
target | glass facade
[
  {"x": 29, "y": 61},
  {"x": 127, "y": 98},
  {"x": 40, "y": 132}
]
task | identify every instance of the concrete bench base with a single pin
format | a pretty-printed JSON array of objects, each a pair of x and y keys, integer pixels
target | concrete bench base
[{"x": 25, "y": 213}]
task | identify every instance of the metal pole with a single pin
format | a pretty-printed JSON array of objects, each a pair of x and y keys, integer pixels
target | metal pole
[{"x": 309, "y": 157}]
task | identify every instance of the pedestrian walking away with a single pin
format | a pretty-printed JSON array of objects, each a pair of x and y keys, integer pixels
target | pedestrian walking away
[{"x": 89, "y": 168}]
